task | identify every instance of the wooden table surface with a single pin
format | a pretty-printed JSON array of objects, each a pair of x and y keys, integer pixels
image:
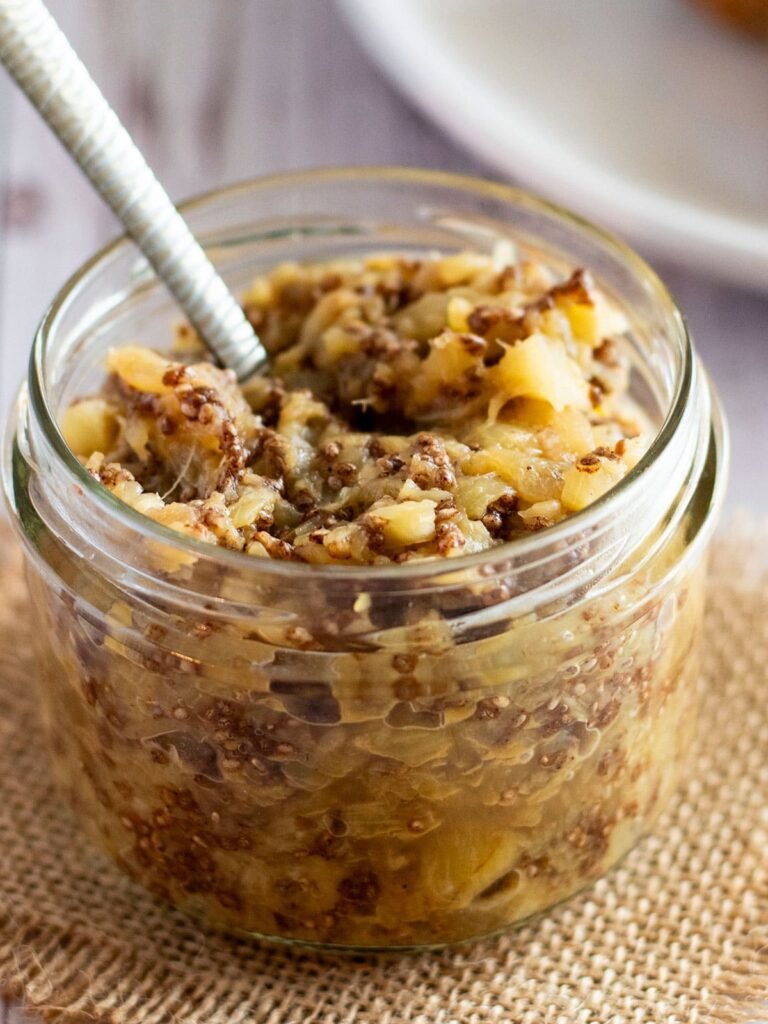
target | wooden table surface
[{"x": 217, "y": 90}]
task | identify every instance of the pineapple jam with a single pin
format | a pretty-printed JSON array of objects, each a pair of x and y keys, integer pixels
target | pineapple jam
[
  {"x": 415, "y": 409},
  {"x": 320, "y": 758}
]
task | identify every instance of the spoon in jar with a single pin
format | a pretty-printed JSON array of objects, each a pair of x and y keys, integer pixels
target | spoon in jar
[{"x": 39, "y": 57}]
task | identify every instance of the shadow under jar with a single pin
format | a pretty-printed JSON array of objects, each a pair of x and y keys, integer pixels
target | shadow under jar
[{"x": 367, "y": 757}]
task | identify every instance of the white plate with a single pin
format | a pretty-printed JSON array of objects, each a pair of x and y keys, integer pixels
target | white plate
[{"x": 644, "y": 116}]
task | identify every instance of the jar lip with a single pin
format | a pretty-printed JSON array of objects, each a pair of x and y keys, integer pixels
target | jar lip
[{"x": 519, "y": 549}]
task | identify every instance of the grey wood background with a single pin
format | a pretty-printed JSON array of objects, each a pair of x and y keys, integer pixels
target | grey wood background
[{"x": 216, "y": 90}]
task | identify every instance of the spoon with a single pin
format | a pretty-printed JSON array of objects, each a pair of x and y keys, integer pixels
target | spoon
[{"x": 41, "y": 60}]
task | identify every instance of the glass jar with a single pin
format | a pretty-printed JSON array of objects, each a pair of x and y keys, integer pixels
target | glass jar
[{"x": 367, "y": 757}]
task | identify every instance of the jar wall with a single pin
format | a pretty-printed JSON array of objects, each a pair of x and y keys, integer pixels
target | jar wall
[
  {"x": 408, "y": 760},
  {"x": 408, "y": 793}
]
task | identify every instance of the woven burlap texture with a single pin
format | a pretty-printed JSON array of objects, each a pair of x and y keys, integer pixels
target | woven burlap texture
[{"x": 678, "y": 934}]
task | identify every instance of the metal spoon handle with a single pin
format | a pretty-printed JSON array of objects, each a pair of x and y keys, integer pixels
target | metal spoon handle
[{"x": 39, "y": 57}]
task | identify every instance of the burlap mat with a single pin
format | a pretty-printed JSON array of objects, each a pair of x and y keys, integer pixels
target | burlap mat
[{"x": 678, "y": 934}]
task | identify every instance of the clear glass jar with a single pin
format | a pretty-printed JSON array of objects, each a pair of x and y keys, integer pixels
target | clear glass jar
[{"x": 387, "y": 757}]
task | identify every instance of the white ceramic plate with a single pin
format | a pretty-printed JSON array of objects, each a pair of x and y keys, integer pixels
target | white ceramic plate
[{"x": 644, "y": 116}]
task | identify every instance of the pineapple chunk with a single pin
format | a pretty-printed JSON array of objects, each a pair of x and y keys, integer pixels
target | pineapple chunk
[
  {"x": 284, "y": 274},
  {"x": 492, "y": 462},
  {"x": 260, "y": 293},
  {"x": 136, "y": 434},
  {"x": 448, "y": 361},
  {"x": 410, "y": 491},
  {"x": 592, "y": 323},
  {"x": 461, "y": 268},
  {"x": 532, "y": 477},
  {"x": 381, "y": 261},
  {"x": 140, "y": 368},
  {"x": 537, "y": 479},
  {"x": 459, "y": 310},
  {"x": 554, "y": 324},
  {"x": 336, "y": 343},
  {"x": 476, "y": 535},
  {"x": 409, "y": 522},
  {"x": 539, "y": 367},
  {"x": 634, "y": 449},
  {"x": 326, "y": 312},
  {"x": 530, "y": 412},
  {"x": 252, "y": 503},
  {"x": 475, "y": 493},
  {"x": 606, "y": 435},
  {"x": 569, "y": 431},
  {"x": 504, "y": 254},
  {"x": 543, "y": 512},
  {"x": 90, "y": 426},
  {"x": 585, "y": 323},
  {"x": 458, "y": 864},
  {"x": 586, "y": 481},
  {"x": 423, "y": 318}
]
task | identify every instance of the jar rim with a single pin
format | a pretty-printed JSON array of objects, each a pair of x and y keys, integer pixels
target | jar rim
[{"x": 560, "y": 534}]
